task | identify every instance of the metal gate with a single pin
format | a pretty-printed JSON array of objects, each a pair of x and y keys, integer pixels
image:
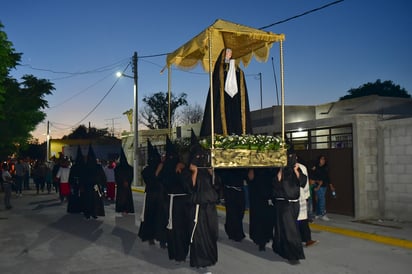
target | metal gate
[{"x": 335, "y": 143}]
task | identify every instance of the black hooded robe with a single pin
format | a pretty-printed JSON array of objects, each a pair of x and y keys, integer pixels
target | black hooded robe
[
  {"x": 123, "y": 174},
  {"x": 261, "y": 207},
  {"x": 154, "y": 215},
  {"x": 205, "y": 232},
  {"x": 94, "y": 181},
  {"x": 287, "y": 241},
  {"x": 178, "y": 201},
  {"x": 76, "y": 180}
]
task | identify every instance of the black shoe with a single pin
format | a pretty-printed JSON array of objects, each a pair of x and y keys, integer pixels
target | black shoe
[
  {"x": 163, "y": 245},
  {"x": 262, "y": 248},
  {"x": 151, "y": 242},
  {"x": 294, "y": 262},
  {"x": 94, "y": 217}
]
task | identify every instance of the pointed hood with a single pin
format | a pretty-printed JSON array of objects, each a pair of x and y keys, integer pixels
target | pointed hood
[
  {"x": 171, "y": 151},
  {"x": 198, "y": 156},
  {"x": 193, "y": 138},
  {"x": 79, "y": 157},
  {"x": 153, "y": 155},
  {"x": 91, "y": 156},
  {"x": 122, "y": 159}
]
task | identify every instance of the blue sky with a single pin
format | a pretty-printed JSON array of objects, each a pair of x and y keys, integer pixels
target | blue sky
[{"x": 79, "y": 45}]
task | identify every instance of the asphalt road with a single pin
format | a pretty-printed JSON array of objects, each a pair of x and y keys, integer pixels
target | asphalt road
[{"x": 38, "y": 236}]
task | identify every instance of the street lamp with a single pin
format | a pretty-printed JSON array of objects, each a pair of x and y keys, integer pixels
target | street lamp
[{"x": 135, "y": 124}]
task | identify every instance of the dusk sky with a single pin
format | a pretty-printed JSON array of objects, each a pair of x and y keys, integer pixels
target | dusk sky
[{"x": 80, "y": 44}]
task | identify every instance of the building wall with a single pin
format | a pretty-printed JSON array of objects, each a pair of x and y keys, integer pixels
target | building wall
[
  {"x": 365, "y": 163},
  {"x": 397, "y": 168},
  {"x": 382, "y": 163}
]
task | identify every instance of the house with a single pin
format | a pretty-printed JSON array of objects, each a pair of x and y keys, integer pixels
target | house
[{"x": 368, "y": 143}]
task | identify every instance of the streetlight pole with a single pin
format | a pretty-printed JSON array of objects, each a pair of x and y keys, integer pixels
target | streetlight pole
[
  {"x": 135, "y": 123},
  {"x": 260, "y": 85},
  {"x": 48, "y": 142},
  {"x": 135, "y": 118}
]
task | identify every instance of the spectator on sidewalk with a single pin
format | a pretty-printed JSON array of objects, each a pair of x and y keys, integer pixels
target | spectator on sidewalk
[
  {"x": 322, "y": 182},
  {"x": 20, "y": 172},
  {"x": 7, "y": 185}
]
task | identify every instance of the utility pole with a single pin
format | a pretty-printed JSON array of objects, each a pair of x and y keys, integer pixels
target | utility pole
[
  {"x": 135, "y": 124},
  {"x": 48, "y": 141}
]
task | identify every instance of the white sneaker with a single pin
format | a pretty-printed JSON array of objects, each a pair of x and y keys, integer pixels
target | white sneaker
[{"x": 325, "y": 218}]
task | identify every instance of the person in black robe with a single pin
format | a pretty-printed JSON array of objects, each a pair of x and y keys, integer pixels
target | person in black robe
[
  {"x": 261, "y": 207},
  {"x": 76, "y": 179},
  {"x": 123, "y": 175},
  {"x": 287, "y": 241},
  {"x": 205, "y": 231},
  {"x": 234, "y": 199},
  {"x": 154, "y": 212},
  {"x": 94, "y": 181},
  {"x": 178, "y": 227}
]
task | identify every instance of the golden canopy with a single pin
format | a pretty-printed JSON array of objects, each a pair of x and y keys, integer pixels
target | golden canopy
[{"x": 244, "y": 41}]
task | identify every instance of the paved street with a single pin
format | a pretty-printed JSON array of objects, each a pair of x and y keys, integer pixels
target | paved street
[{"x": 38, "y": 236}]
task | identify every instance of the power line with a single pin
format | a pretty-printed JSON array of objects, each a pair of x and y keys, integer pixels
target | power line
[
  {"x": 302, "y": 14},
  {"x": 80, "y": 92},
  {"x": 96, "y": 70}
]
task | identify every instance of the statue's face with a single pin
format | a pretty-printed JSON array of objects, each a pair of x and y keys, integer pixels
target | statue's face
[{"x": 228, "y": 55}]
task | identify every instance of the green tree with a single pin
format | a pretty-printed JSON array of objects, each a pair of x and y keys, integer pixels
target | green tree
[
  {"x": 385, "y": 88},
  {"x": 82, "y": 132},
  {"x": 155, "y": 115},
  {"x": 21, "y": 104}
]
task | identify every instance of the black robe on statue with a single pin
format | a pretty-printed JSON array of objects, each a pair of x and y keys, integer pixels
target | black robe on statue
[
  {"x": 123, "y": 174},
  {"x": 231, "y": 115}
]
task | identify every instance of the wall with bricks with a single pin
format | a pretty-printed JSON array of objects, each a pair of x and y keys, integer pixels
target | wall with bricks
[{"x": 396, "y": 165}]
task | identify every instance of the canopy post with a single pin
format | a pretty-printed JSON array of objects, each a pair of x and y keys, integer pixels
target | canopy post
[
  {"x": 212, "y": 127},
  {"x": 169, "y": 93},
  {"x": 282, "y": 88}
]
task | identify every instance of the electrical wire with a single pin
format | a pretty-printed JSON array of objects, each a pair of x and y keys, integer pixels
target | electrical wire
[{"x": 300, "y": 15}]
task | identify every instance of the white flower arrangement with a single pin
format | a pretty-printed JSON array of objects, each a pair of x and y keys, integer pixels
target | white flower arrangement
[{"x": 250, "y": 142}]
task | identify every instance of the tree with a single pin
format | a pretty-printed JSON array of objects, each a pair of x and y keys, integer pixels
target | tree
[
  {"x": 386, "y": 88},
  {"x": 155, "y": 115},
  {"x": 191, "y": 114},
  {"x": 8, "y": 60},
  {"x": 82, "y": 132},
  {"x": 21, "y": 104}
]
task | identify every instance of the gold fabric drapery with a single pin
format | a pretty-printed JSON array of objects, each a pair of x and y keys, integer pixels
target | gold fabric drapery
[{"x": 244, "y": 41}]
